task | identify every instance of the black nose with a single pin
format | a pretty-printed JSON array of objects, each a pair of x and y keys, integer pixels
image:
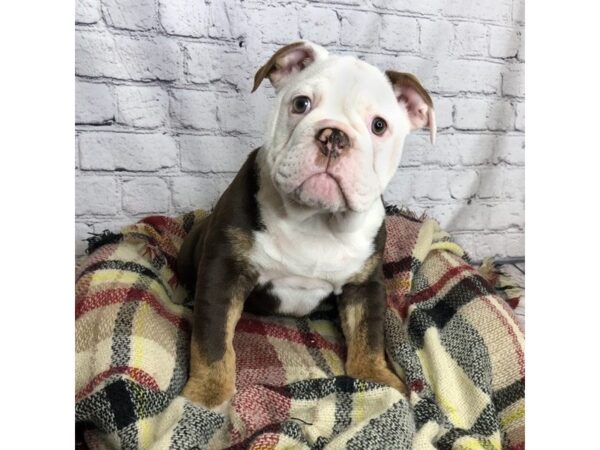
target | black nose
[{"x": 332, "y": 141}]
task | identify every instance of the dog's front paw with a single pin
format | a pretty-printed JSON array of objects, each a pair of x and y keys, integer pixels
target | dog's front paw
[
  {"x": 377, "y": 374},
  {"x": 213, "y": 387}
]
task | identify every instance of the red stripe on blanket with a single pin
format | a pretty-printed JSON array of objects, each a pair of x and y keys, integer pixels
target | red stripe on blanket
[
  {"x": 519, "y": 446},
  {"x": 314, "y": 340},
  {"x": 431, "y": 291},
  {"x": 138, "y": 376},
  {"x": 122, "y": 295},
  {"x": 164, "y": 223},
  {"x": 260, "y": 408}
]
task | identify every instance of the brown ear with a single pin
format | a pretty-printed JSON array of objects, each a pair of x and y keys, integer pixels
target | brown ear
[
  {"x": 417, "y": 100},
  {"x": 287, "y": 61}
]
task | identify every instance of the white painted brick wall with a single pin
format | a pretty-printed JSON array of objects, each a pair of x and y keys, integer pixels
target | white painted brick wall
[{"x": 164, "y": 114}]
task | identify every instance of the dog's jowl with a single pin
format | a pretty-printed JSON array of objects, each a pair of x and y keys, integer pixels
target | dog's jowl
[{"x": 303, "y": 219}]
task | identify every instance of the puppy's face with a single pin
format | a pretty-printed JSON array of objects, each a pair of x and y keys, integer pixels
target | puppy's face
[{"x": 338, "y": 127}]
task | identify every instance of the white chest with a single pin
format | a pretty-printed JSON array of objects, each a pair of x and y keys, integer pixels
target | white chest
[{"x": 305, "y": 264}]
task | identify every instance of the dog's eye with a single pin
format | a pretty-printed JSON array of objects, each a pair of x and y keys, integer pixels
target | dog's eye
[
  {"x": 378, "y": 126},
  {"x": 301, "y": 104}
]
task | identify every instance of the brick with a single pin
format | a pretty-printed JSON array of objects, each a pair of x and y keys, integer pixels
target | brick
[
  {"x": 114, "y": 224},
  {"x": 422, "y": 68},
  {"x": 96, "y": 196},
  {"x": 360, "y": 29},
  {"x": 507, "y": 215},
  {"x": 399, "y": 33},
  {"x": 456, "y": 75},
  {"x": 212, "y": 153},
  {"x": 146, "y": 195},
  {"x": 470, "y": 217},
  {"x": 319, "y": 25},
  {"x": 400, "y": 188},
  {"x": 444, "y": 110},
  {"x": 431, "y": 185},
  {"x": 489, "y": 245},
  {"x": 501, "y": 116},
  {"x": 471, "y": 113},
  {"x": 470, "y": 149},
  {"x": 436, "y": 38},
  {"x": 463, "y": 184},
  {"x": 520, "y": 120},
  {"x": 130, "y": 14},
  {"x": 82, "y": 231},
  {"x": 521, "y": 50},
  {"x": 184, "y": 17},
  {"x": 416, "y": 6},
  {"x": 441, "y": 213},
  {"x": 510, "y": 149},
  {"x": 514, "y": 244},
  {"x": 491, "y": 183},
  {"x": 470, "y": 39},
  {"x": 277, "y": 25},
  {"x": 244, "y": 113},
  {"x": 343, "y": 2},
  {"x": 127, "y": 58},
  {"x": 202, "y": 191},
  {"x": 87, "y": 11},
  {"x": 127, "y": 151},
  {"x": 518, "y": 11},
  {"x": 95, "y": 103},
  {"x": 513, "y": 82},
  {"x": 514, "y": 184},
  {"x": 504, "y": 42},
  {"x": 76, "y": 152},
  {"x": 142, "y": 106},
  {"x": 193, "y": 109},
  {"x": 418, "y": 151},
  {"x": 466, "y": 240},
  {"x": 210, "y": 63},
  {"x": 228, "y": 21},
  {"x": 500, "y": 11}
]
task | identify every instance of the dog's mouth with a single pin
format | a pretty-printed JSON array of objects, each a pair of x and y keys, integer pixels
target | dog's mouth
[{"x": 322, "y": 190}]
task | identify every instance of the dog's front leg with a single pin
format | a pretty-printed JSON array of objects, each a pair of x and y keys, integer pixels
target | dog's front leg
[
  {"x": 362, "y": 310},
  {"x": 219, "y": 301}
]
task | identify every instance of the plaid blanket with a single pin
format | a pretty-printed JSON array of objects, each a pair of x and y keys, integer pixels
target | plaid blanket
[{"x": 455, "y": 342}]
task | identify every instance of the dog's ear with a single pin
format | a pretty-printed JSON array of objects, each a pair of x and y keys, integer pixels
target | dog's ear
[
  {"x": 287, "y": 61},
  {"x": 416, "y": 99}
]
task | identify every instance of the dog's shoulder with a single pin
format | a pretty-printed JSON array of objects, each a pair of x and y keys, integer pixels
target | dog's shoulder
[{"x": 227, "y": 231}]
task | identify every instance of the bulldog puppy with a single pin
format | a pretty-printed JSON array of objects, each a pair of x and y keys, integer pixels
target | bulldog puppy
[{"x": 304, "y": 218}]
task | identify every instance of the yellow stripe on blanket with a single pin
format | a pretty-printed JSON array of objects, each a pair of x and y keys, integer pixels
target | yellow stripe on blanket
[
  {"x": 472, "y": 443},
  {"x": 457, "y": 395},
  {"x": 511, "y": 416},
  {"x": 123, "y": 277},
  {"x": 137, "y": 361}
]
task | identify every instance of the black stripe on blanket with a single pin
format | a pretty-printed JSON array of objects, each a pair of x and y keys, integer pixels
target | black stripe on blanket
[
  {"x": 509, "y": 395},
  {"x": 124, "y": 265},
  {"x": 442, "y": 312}
]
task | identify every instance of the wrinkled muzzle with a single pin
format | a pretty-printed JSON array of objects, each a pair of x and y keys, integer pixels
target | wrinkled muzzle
[{"x": 327, "y": 166}]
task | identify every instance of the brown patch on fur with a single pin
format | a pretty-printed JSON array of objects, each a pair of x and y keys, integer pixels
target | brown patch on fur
[
  {"x": 365, "y": 362},
  {"x": 241, "y": 243},
  {"x": 212, "y": 383},
  {"x": 403, "y": 79},
  {"x": 272, "y": 64}
]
